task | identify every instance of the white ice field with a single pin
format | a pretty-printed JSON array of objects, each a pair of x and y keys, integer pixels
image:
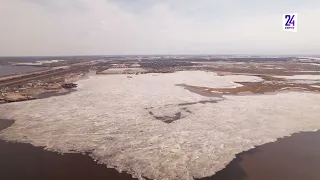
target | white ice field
[
  {"x": 301, "y": 77},
  {"x": 109, "y": 116}
]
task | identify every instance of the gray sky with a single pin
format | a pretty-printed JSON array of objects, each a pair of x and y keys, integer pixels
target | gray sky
[{"x": 84, "y": 27}]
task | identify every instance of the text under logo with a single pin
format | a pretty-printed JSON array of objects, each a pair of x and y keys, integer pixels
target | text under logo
[{"x": 290, "y": 22}]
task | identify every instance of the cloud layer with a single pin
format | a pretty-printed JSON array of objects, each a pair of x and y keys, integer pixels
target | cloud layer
[{"x": 80, "y": 27}]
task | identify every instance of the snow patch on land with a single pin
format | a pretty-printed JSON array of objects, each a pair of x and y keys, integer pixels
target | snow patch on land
[
  {"x": 300, "y": 77},
  {"x": 109, "y": 117}
]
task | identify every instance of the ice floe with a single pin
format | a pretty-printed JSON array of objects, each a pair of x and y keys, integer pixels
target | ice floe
[{"x": 110, "y": 117}]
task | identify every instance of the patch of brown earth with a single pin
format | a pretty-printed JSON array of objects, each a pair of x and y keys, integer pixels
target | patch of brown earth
[
  {"x": 43, "y": 76},
  {"x": 36, "y": 93},
  {"x": 199, "y": 90},
  {"x": 55, "y": 93},
  {"x": 270, "y": 84},
  {"x": 40, "y": 85},
  {"x": 15, "y": 97}
]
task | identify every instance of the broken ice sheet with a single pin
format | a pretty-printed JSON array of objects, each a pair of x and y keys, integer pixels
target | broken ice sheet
[{"x": 108, "y": 116}]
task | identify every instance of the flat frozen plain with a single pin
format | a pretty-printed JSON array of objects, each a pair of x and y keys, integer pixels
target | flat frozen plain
[{"x": 109, "y": 117}]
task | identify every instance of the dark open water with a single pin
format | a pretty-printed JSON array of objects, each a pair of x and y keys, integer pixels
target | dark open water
[{"x": 291, "y": 158}]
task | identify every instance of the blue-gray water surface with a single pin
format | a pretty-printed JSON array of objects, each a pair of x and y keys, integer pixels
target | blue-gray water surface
[{"x": 10, "y": 70}]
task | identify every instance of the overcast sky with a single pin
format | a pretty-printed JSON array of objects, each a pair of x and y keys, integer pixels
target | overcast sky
[{"x": 88, "y": 27}]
